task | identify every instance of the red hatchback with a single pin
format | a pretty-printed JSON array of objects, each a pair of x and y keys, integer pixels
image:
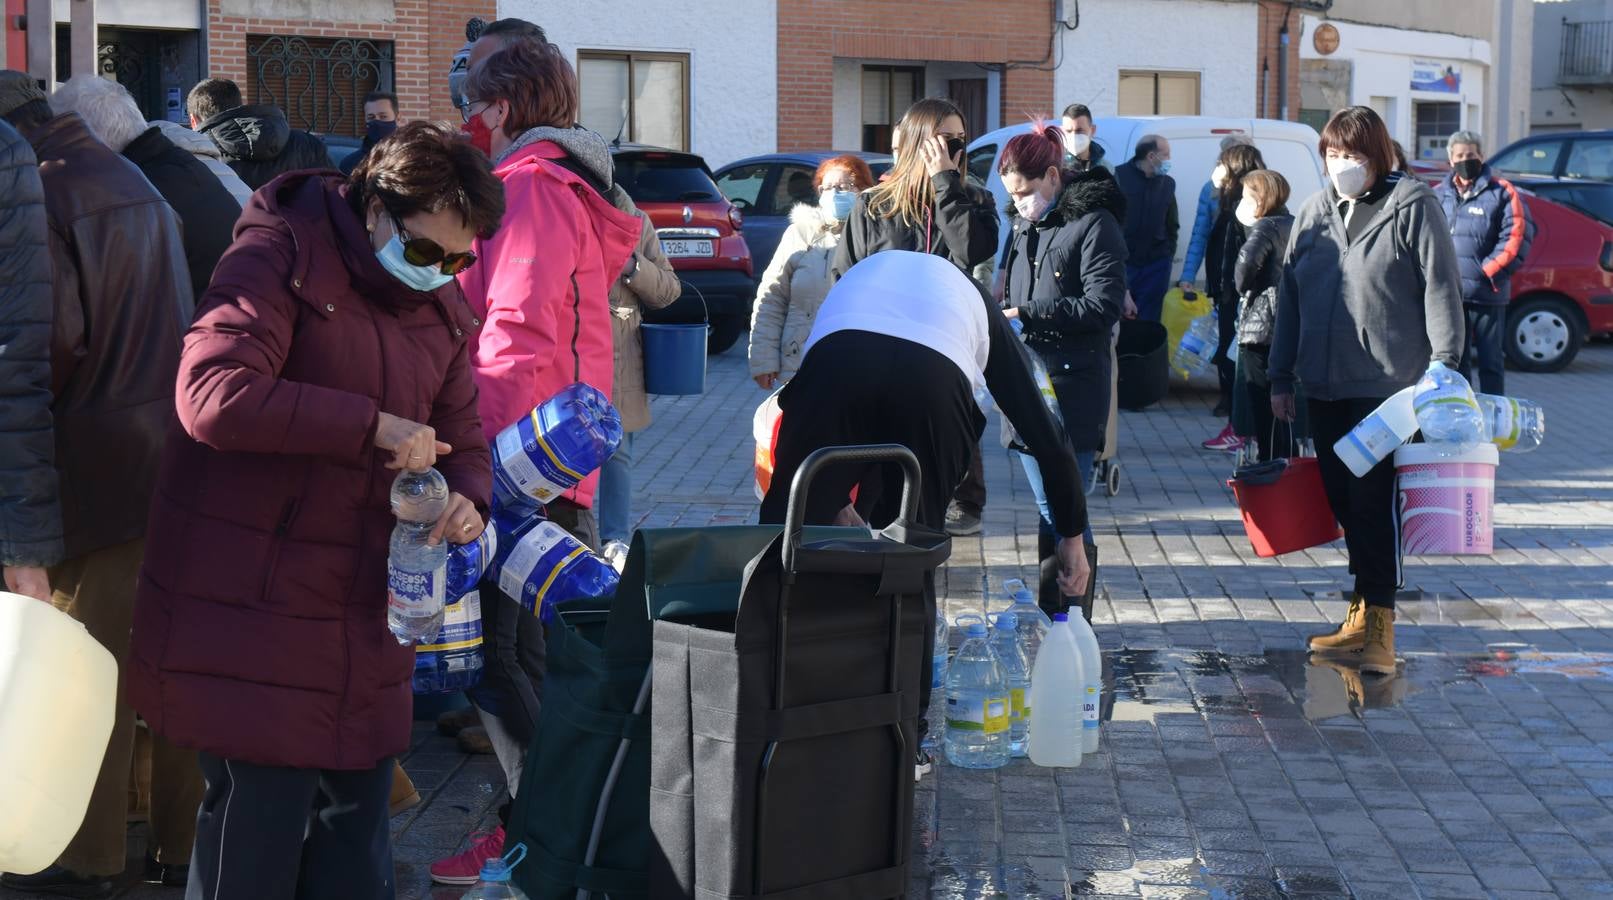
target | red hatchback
[{"x": 700, "y": 234}]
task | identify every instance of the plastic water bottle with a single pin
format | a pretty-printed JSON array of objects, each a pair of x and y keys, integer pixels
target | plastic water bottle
[
  {"x": 1197, "y": 347},
  {"x": 1086, "y": 641},
  {"x": 936, "y": 714},
  {"x": 1447, "y": 413},
  {"x": 1033, "y": 623},
  {"x": 978, "y": 705},
  {"x": 417, "y": 572},
  {"x": 1011, "y": 653},
  {"x": 1380, "y": 434},
  {"x": 1055, "y": 733},
  {"x": 452, "y": 662},
  {"x": 539, "y": 564},
  {"x": 467, "y": 563},
  {"x": 494, "y": 882},
  {"x": 545, "y": 454},
  {"x": 1515, "y": 424},
  {"x": 1044, "y": 381}
]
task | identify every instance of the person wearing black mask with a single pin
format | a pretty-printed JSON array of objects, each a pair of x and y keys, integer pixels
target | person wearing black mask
[
  {"x": 1491, "y": 229},
  {"x": 380, "y": 120}
]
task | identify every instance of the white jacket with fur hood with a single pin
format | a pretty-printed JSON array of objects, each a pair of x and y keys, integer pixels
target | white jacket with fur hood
[{"x": 791, "y": 290}]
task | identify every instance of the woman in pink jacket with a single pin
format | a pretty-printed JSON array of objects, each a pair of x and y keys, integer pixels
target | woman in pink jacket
[{"x": 540, "y": 295}]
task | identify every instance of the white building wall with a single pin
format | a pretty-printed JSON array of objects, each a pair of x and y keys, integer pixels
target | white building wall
[
  {"x": 1382, "y": 59},
  {"x": 733, "y": 61},
  {"x": 180, "y": 14},
  {"x": 1218, "y": 40}
]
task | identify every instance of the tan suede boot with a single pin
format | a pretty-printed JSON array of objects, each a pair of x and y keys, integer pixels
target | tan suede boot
[
  {"x": 1352, "y": 635},
  {"x": 404, "y": 797},
  {"x": 1378, "y": 655}
]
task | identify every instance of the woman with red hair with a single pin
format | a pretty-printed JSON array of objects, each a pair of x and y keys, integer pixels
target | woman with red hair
[{"x": 1065, "y": 281}]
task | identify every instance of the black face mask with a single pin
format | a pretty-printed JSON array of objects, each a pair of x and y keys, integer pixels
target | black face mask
[
  {"x": 1469, "y": 169},
  {"x": 375, "y": 130}
]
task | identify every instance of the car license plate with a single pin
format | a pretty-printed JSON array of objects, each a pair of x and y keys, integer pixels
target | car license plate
[{"x": 681, "y": 249}]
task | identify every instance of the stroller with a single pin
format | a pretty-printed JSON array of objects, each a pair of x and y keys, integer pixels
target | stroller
[{"x": 1105, "y": 467}]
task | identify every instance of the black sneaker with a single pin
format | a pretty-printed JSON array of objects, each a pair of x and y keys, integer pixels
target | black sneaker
[
  {"x": 59, "y": 882},
  {"x": 165, "y": 874},
  {"x": 962, "y": 523},
  {"x": 923, "y": 764}
]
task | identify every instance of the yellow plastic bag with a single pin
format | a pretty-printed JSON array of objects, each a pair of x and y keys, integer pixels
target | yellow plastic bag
[{"x": 1179, "y": 312}]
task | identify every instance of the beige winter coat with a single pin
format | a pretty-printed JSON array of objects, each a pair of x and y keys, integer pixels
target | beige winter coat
[
  {"x": 654, "y": 285},
  {"x": 792, "y": 289}
]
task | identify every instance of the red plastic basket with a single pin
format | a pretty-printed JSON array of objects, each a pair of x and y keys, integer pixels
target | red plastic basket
[{"x": 1288, "y": 513}]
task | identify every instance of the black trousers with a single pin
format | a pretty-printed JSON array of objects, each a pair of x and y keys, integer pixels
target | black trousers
[
  {"x": 971, "y": 493},
  {"x": 1226, "y": 324},
  {"x": 1273, "y": 438},
  {"x": 1485, "y": 351},
  {"x": 1365, "y": 507},
  {"x": 268, "y": 833},
  {"x": 856, "y": 387}
]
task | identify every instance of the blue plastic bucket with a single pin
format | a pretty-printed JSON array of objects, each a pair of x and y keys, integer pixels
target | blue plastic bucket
[{"x": 674, "y": 358}]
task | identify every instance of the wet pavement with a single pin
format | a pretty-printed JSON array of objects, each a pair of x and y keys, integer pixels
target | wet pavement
[{"x": 1232, "y": 764}]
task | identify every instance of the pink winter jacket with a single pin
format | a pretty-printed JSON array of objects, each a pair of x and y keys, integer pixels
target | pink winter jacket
[{"x": 540, "y": 290}]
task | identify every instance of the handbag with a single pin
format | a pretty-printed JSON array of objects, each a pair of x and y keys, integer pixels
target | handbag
[
  {"x": 1284, "y": 505},
  {"x": 1257, "y": 317}
]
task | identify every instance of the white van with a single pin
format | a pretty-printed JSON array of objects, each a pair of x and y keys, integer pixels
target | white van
[{"x": 1288, "y": 147}]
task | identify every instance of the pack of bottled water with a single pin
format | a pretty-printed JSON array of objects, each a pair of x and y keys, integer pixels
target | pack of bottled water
[
  {"x": 453, "y": 661},
  {"x": 467, "y": 563},
  {"x": 539, "y": 564},
  {"x": 417, "y": 572},
  {"x": 547, "y": 453}
]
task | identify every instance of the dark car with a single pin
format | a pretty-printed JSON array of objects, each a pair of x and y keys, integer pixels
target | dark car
[
  {"x": 1573, "y": 155},
  {"x": 338, "y": 146},
  {"x": 700, "y": 234},
  {"x": 767, "y": 187}
]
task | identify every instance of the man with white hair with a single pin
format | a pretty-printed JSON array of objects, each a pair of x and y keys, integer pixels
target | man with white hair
[{"x": 205, "y": 206}]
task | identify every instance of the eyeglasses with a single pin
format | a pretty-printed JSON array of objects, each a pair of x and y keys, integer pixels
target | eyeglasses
[
  {"x": 847, "y": 186},
  {"x": 419, "y": 251},
  {"x": 465, "y": 109}
]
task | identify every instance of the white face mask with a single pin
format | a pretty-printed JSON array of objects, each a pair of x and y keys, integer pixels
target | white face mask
[
  {"x": 1246, "y": 212},
  {"x": 1076, "y": 144},
  {"x": 1350, "y": 178},
  {"x": 1218, "y": 178},
  {"x": 1032, "y": 206}
]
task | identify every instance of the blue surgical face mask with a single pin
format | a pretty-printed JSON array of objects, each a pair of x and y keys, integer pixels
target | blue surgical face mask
[
  {"x": 420, "y": 278},
  {"x": 838, "y": 203},
  {"x": 1164, "y": 167}
]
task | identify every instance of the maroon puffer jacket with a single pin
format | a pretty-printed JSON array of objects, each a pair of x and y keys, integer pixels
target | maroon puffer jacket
[{"x": 260, "y": 623}]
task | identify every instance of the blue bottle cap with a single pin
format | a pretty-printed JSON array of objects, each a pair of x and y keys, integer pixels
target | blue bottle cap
[
  {"x": 977, "y": 629},
  {"x": 495, "y": 870},
  {"x": 1007, "y": 621},
  {"x": 1061, "y": 617}
]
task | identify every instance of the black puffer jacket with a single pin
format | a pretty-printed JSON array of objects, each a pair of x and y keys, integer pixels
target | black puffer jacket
[
  {"x": 30, "y": 507},
  {"x": 1260, "y": 262},
  {"x": 258, "y": 143},
  {"x": 1066, "y": 274},
  {"x": 962, "y": 228},
  {"x": 207, "y": 211}
]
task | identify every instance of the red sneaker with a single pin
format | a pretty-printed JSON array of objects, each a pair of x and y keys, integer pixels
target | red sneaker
[
  {"x": 1226, "y": 440},
  {"x": 466, "y": 868}
]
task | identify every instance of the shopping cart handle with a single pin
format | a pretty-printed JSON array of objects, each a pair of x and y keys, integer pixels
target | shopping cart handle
[{"x": 795, "y": 515}]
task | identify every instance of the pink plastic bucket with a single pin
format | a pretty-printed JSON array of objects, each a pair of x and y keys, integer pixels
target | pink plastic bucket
[{"x": 1446, "y": 503}]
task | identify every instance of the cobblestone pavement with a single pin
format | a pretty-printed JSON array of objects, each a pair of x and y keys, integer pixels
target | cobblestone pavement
[{"x": 1230, "y": 765}]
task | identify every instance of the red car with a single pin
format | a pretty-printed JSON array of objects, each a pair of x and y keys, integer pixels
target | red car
[
  {"x": 700, "y": 234},
  {"x": 1564, "y": 291}
]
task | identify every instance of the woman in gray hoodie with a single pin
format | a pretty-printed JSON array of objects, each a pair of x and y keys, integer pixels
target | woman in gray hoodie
[{"x": 1370, "y": 296}]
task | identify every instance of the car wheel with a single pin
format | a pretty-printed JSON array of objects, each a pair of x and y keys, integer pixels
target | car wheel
[
  {"x": 725, "y": 330},
  {"x": 1543, "y": 334}
]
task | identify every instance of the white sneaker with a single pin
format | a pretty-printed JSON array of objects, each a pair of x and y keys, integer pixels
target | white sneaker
[{"x": 616, "y": 554}]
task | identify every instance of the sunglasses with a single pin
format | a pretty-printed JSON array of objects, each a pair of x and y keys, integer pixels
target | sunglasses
[{"x": 419, "y": 251}]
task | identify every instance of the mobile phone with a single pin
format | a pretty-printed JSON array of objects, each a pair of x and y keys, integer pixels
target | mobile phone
[{"x": 955, "y": 146}]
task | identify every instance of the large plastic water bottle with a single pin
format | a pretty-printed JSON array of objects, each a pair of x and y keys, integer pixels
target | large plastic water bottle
[
  {"x": 452, "y": 662},
  {"x": 1055, "y": 732},
  {"x": 1086, "y": 641},
  {"x": 978, "y": 705},
  {"x": 545, "y": 454},
  {"x": 494, "y": 882},
  {"x": 1197, "y": 347},
  {"x": 539, "y": 564},
  {"x": 1515, "y": 424},
  {"x": 1033, "y": 623},
  {"x": 417, "y": 572},
  {"x": 467, "y": 563},
  {"x": 1447, "y": 413},
  {"x": 1044, "y": 381},
  {"x": 1011, "y": 653},
  {"x": 935, "y": 716},
  {"x": 1380, "y": 434}
]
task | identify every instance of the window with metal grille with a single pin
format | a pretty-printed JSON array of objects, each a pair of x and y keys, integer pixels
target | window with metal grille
[{"x": 319, "y": 83}]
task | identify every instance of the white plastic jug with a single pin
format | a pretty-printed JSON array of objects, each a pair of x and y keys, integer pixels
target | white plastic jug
[
  {"x": 57, "y": 688},
  {"x": 1379, "y": 434}
]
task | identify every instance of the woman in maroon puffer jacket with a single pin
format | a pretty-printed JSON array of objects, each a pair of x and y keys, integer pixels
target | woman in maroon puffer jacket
[{"x": 329, "y": 352}]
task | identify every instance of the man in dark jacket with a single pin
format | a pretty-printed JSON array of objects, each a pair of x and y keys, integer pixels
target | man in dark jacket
[
  {"x": 1151, "y": 223},
  {"x": 380, "y": 120},
  {"x": 1491, "y": 229},
  {"x": 121, "y": 302},
  {"x": 207, "y": 210},
  {"x": 256, "y": 141},
  {"x": 1081, "y": 152}
]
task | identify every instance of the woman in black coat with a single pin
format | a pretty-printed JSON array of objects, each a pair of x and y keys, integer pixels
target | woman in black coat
[
  {"x": 1065, "y": 281},
  {"x": 1256, "y": 276},
  {"x": 1226, "y": 239}
]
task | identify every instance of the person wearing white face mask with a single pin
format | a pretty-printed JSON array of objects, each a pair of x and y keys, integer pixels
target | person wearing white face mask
[
  {"x": 798, "y": 278},
  {"x": 1370, "y": 296},
  {"x": 1208, "y": 209},
  {"x": 1264, "y": 211},
  {"x": 1064, "y": 280},
  {"x": 1226, "y": 238},
  {"x": 1081, "y": 148}
]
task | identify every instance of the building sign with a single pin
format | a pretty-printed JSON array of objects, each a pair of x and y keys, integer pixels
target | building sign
[
  {"x": 1431, "y": 75},
  {"x": 1326, "y": 39}
]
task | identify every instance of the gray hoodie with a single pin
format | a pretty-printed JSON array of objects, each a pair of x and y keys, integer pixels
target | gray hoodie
[
  {"x": 202, "y": 147},
  {"x": 1363, "y": 319},
  {"x": 588, "y": 149}
]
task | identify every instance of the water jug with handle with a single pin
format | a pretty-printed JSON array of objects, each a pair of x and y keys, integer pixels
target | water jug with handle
[
  {"x": 57, "y": 691},
  {"x": 1056, "y": 700}
]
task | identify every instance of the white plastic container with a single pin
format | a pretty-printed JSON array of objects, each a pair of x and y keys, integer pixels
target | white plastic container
[
  {"x": 1446, "y": 503},
  {"x": 1091, "y": 681},
  {"x": 1056, "y": 699},
  {"x": 1379, "y": 434},
  {"x": 57, "y": 689}
]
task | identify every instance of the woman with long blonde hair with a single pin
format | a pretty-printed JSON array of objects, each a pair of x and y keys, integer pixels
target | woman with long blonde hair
[{"x": 926, "y": 204}]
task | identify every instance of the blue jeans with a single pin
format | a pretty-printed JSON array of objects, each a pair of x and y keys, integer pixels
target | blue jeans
[
  {"x": 1148, "y": 284},
  {"x": 616, "y": 494},
  {"x": 1033, "y": 474}
]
